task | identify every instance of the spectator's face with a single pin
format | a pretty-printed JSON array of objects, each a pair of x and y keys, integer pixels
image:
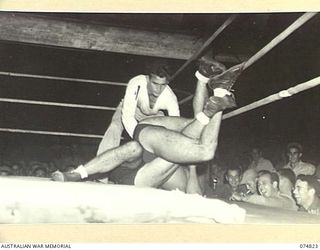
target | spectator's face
[
  {"x": 4, "y": 173},
  {"x": 285, "y": 184},
  {"x": 156, "y": 85},
  {"x": 294, "y": 155},
  {"x": 301, "y": 192},
  {"x": 255, "y": 154},
  {"x": 40, "y": 173},
  {"x": 233, "y": 178},
  {"x": 252, "y": 186},
  {"x": 16, "y": 169},
  {"x": 265, "y": 186}
]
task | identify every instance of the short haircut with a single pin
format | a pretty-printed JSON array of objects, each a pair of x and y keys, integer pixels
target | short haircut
[
  {"x": 234, "y": 169},
  {"x": 288, "y": 173},
  {"x": 295, "y": 145},
  {"x": 159, "y": 69},
  {"x": 273, "y": 176},
  {"x": 259, "y": 150},
  {"x": 312, "y": 182}
]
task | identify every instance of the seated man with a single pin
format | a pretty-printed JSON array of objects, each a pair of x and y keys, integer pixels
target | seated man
[
  {"x": 258, "y": 162},
  {"x": 249, "y": 179},
  {"x": 226, "y": 190},
  {"x": 165, "y": 143},
  {"x": 294, "y": 153},
  {"x": 5, "y": 169},
  {"x": 306, "y": 193},
  {"x": 287, "y": 180},
  {"x": 269, "y": 194}
]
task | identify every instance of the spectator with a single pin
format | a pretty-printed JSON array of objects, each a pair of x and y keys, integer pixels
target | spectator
[
  {"x": 287, "y": 180},
  {"x": 38, "y": 169},
  {"x": 5, "y": 170},
  {"x": 306, "y": 193},
  {"x": 258, "y": 162},
  {"x": 17, "y": 169},
  {"x": 249, "y": 179},
  {"x": 225, "y": 190},
  {"x": 269, "y": 194},
  {"x": 294, "y": 153}
]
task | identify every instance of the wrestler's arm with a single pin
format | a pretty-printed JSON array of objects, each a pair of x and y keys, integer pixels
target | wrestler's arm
[
  {"x": 129, "y": 106},
  {"x": 171, "y": 103}
]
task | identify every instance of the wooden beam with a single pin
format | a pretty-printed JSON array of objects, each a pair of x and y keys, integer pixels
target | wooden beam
[
  {"x": 65, "y": 33},
  {"x": 45, "y": 31}
]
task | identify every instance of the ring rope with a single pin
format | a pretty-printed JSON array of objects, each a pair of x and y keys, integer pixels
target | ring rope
[
  {"x": 272, "y": 98},
  {"x": 283, "y": 35},
  {"x": 5, "y": 73},
  {"x": 70, "y": 105},
  {"x": 14, "y": 74},
  {"x": 205, "y": 45},
  {"x": 275, "y": 97},
  {"x": 39, "y": 132}
]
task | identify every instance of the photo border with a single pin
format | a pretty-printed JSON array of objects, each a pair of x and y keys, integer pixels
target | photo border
[{"x": 204, "y": 233}]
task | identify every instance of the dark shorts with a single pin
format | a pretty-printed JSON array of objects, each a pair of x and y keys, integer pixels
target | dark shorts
[
  {"x": 146, "y": 155},
  {"x": 123, "y": 175}
]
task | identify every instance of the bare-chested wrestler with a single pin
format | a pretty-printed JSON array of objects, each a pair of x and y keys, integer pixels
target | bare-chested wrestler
[{"x": 166, "y": 143}]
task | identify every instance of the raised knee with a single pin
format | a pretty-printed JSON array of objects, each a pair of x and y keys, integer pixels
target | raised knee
[{"x": 135, "y": 148}]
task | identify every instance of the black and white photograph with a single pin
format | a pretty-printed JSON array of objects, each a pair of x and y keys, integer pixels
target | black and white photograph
[{"x": 160, "y": 118}]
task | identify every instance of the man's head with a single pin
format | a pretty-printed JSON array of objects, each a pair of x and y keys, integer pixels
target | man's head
[
  {"x": 5, "y": 170},
  {"x": 268, "y": 183},
  {"x": 233, "y": 177},
  {"x": 255, "y": 154},
  {"x": 287, "y": 179},
  {"x": 158, "y": 79},
  {"x": 16, "y": 168},
  {"x": 249, "y": 178},
  {"x": 40, "y": 172},
  {"x": 294, "y": 152},
  {"x": 38, "y": 169},
  {"x": 306, "y": 189}
]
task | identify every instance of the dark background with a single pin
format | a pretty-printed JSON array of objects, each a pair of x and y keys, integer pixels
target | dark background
[{"x": 293, "y": 61}]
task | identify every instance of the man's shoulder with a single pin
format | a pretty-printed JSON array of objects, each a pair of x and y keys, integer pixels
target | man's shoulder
[
  {"x": 286, "y": 166},
  {"x": 306, "y": 164},
  {"x": 315, "y": 204},
  {"x": 169, "y": 91},
  {"x": 139, "y": 79},
  {"x": 264, "y": 160}
]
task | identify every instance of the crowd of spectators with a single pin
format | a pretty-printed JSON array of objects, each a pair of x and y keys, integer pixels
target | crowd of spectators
[
  {"x": 295, "y": 185},
  {"x": 32, "y": 168}
]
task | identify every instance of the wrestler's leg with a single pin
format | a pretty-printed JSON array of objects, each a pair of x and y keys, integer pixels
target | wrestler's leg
[
  {"x": 112, "y": 136},
  {"x": 103, "y": 163},
  {"x": 200, "y": 97},
  {"x": 175, "y": 123},
  {"x": 178, "y": 148}
]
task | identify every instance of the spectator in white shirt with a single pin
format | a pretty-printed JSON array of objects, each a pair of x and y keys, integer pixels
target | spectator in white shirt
[
  {"x": 258, "y": 162},
  {"x": 294, "y": 153}
]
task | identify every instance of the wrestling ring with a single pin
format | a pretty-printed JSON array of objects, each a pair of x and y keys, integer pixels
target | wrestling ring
[{"x": 75, "y": 202}]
